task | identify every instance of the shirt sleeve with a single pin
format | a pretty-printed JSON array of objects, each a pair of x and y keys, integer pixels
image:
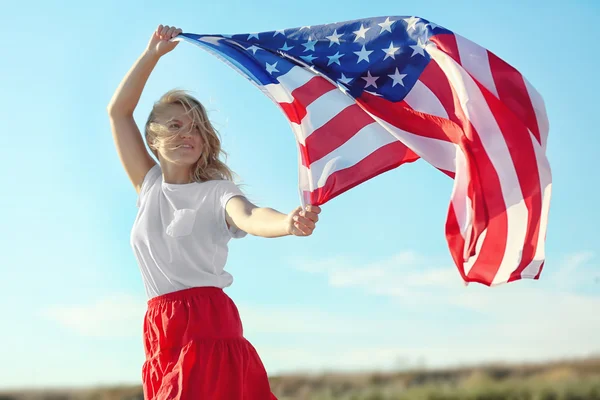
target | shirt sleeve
[
  {"x": 149, "y": 180},
  {"x": 227, "y": 190}
]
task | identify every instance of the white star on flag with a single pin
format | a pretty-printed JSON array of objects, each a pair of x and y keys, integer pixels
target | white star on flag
[
  {"x": 397, "y": 77},
  {"x": 310, "y": 44},
  {"x": 272, "y": 67},
  {"x": 418, "y": 48},
  {"x": 390, "y": 51},
  {"x": 386, "y": 25},
  {"x": 334, "y": 38},
  {"x": 309, "y": 58},
  {"x": 335, "y": 58},
  {"x": 286, "y": 47},
  {"x": 370, "y": 79},
  {"x": 250, "y": 36},
  {"x": 253, "y": 48},
  {"x": 412, "y": 23},
  {"x": 363, "y": 54},
  {"x": 279, "y": 31},
  {"x": 361, "y": 32}
]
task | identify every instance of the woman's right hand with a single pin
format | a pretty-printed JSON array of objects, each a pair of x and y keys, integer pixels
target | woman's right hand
[{"x": 160, "y": 44}]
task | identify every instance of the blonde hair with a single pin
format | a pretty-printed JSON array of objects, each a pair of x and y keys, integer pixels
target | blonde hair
[{"x": 209, "y": 166}]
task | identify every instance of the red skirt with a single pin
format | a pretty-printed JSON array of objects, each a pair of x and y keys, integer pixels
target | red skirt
[{"x": 195, "y": 349}]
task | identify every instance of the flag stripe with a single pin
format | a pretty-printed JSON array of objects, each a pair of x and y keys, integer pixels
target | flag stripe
[
  {"x": 434, "y": 78},
  {"x": 474, "y": 59},
  {"x": 535, "y": 266},
  {"x": 383, "y": 159},
  {"x": 296, "y": 77},
  {"x": 482, "y": 254},
  {"x": 336, "y": 132},
  {"x": 446, "y": 43},
  {"x": 312, "y": 90},
  {"x": 513, "y": 93},
  {"x": 422, "y": 99},
  {"x": 540, "y": 112},
  {"x": 505, "y": 206},
  {"x": 416, "y": 130},
  {"x": 517, "y": 138},
  {"x": 363, "y": 143}
]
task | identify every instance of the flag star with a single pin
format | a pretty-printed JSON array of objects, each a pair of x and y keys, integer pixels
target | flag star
[
  {"x": 272, "y": 67},
  {"x": 412, "y": 23},
  {"x": 390, "y": 51},
  {"x": 279, "y": 31},
  {"x": 370, "y": 80},
  {"x": 345, "y": 80},
  {"x": 418, "y": 48},
  {"x": 250, "y": 36},
  {"x": 286, "y": 47},
  {"x": 253, "y": 48},
  {"x": 397, "y": 77},
  {"x": 310, "y": 44},
  {"x": 335, "y": 38},
  {"x": 309, "y": 58},
  {"x": 363, "y": 54},
  {"x": 386, "y": 25},
  {"x": 335, "y": 58},
  {"x": 361, "y": 32}
]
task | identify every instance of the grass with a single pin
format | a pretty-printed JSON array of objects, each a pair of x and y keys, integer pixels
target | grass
[{"x": 568, "y": 380}]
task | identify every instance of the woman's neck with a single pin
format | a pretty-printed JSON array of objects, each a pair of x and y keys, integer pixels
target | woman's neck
[{"x": 175, "y": 174}]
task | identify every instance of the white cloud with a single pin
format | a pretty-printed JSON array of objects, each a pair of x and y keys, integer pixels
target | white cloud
[
  {"x": 113, "y": 316},
  {"x": 525, "y": 319},
  {"x": 433, "y": 316}
]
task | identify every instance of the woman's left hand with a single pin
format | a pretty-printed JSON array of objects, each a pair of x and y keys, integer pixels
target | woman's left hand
[{"x": 302, "y": 222}]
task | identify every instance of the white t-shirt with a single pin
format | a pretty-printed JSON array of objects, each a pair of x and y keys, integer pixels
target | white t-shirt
[{"x": 180, "y": 235}]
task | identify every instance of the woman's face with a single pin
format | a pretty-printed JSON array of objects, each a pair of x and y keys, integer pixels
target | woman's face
[{"x": 186, "y": 147}]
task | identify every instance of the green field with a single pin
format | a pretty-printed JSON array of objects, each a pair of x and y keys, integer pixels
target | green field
[{"x": 566, "y": 380}]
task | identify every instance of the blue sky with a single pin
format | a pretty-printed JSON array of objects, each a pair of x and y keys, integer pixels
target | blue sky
[{"x": 373, "y": 288}]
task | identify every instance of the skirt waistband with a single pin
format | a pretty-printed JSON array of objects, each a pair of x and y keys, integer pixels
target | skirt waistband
[{"x": 185, "y": 294}]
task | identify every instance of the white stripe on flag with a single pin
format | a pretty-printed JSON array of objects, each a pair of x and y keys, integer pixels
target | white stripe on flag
[
  {"x": 439, "y": 153},
  {"x": 474, "y": 59},
  {"x": 540, "y": 112},
  {"x": 369, "y": 139},
  {"x": 295, "y": 78},
  {"x": 546, "y": 185},
  {"x": 422, "y": 99}
]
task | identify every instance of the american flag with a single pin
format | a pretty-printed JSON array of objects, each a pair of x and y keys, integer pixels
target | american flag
[{"x": 368, "y": 95}]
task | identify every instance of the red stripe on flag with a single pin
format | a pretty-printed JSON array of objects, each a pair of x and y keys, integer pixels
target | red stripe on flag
[
  {"x": 446, "y": 42},
  {"x": 303, "y": 155},
  {"x": 294, "y": 111},
  {"x": 513, "y": 92},
  {"x": 336, "y": 132},
  {"x": 383, "y": 159},
  {"x": 456, "y": 243},
  {"x": 412, "y": 121},
  {"x": 312, "y": 90}
]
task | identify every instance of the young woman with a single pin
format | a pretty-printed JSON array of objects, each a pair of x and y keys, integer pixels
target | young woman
[{"x": 188, "y": 210}]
